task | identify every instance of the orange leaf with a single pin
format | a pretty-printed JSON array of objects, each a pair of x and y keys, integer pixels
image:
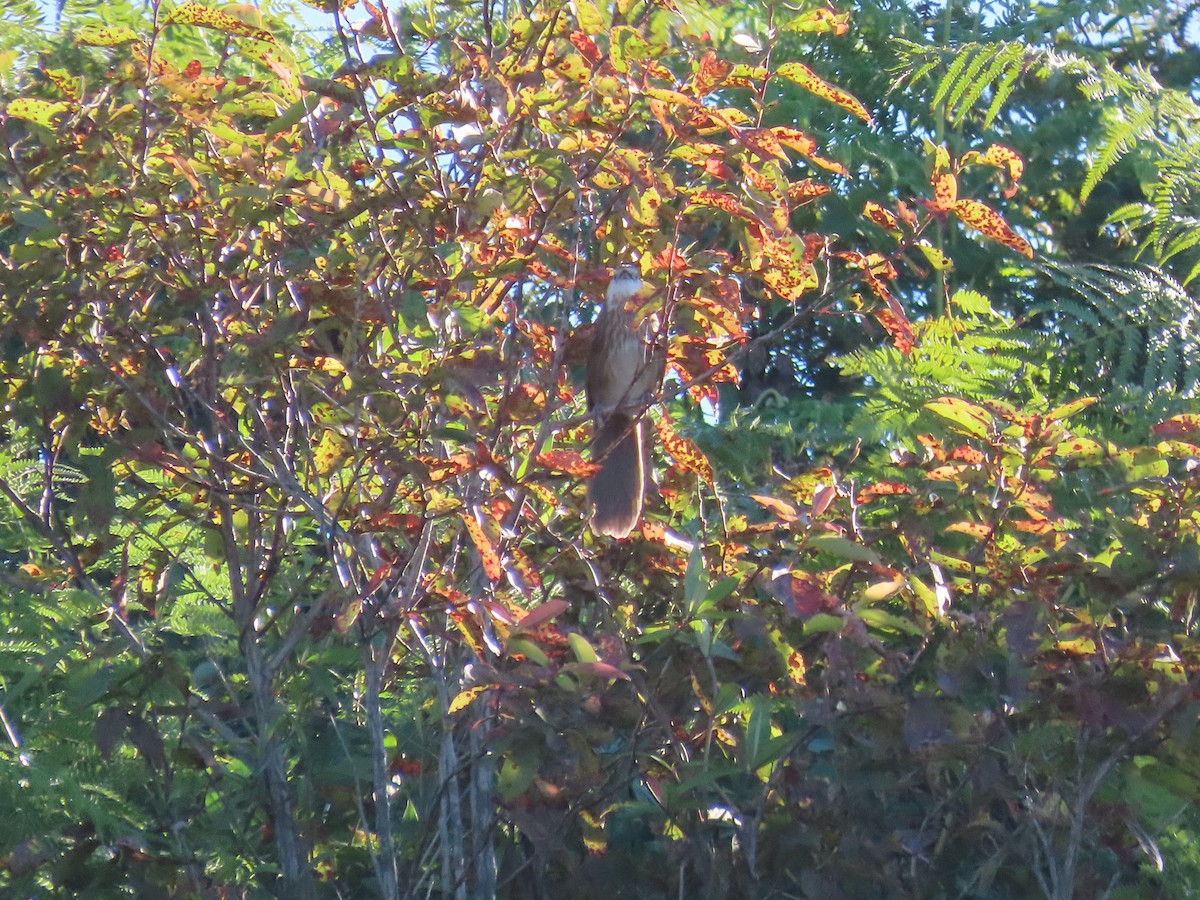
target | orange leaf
[
  {"x": 802, "y": 143},
  {"x": 686, "y": 454},
  {"x": 716, "y": 167},
  {"x": 723, "y": 317},
  {"x": 811, "y": 82},
  {"x": 568, "y": 462},
  {"x": 712, "y": 73},
  {"x": 805, "y": 190},
  {"x": 441, "y": 469},
  {"x": 988, "y": 221},
  {"x": 765, "y": 142},
  {"x": 487, "y": 552},
  {"x": 945, "y": 191},
  {"x": 882, "y": 489},
  {"x": 880, "y": 216},
  {"x": 787, "y": 262},
  {"x": 659, "y": 109},
  {"x": 783, "y": 510},
  {"x": 892, "y": 317},
  {"x": 586, "y": 46}
]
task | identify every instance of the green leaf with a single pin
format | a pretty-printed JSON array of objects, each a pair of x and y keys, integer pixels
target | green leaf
[
  {"x": 885, "y": 621},
  {"x": 842, "y": 547},
  {"x": 968, "y": 418},
  {"x": 40, "y": 112},
  {"x": 584, "y": 652},
  {"x": 823, "y": 623},
  {"x": 1069, "y": 409},
  {"x": 693, "y": 582}
]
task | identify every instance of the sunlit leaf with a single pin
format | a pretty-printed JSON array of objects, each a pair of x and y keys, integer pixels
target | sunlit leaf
[
  {"x": 988, "y": 221},
  {"x": 809, "y": 80},
  {"x": 207, "y": 17}
]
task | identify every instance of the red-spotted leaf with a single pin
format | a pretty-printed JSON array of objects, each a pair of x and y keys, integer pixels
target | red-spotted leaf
[
  {"x": 988, "y": 221},
  {"x": 892, "y": 316},
  {"x": 806, "y": 189},
  {"x": 814, "y": 84},
  {"x": 882, "y": 489},
  {"x": 764, "y": 141},
  {"x": 725, "y": 319}
]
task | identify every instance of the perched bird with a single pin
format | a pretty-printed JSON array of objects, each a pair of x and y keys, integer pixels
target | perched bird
[{"x": 623, "y": 371}]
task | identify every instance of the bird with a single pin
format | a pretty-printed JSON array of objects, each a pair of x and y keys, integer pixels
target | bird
[{"x": 623, "y": 371}]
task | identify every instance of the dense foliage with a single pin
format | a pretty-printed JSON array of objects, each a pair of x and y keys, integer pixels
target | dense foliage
[{"x": 298, "y": 593}]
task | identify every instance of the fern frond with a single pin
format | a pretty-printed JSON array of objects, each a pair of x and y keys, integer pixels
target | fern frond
[
  {"x": 973, "y": 70},
  {"x": 1122, "y": 327}
]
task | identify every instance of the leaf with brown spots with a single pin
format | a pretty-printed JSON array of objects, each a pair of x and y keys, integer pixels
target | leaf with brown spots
[
  {"x": 717, "y": 200},
  {"x": 686, "y": 454},
  {"x": 1004, "y": 158},
  {"x": 1183, "y": 427},
  {"x": 814, "y": 84},
  {"x": 725, "y": 319},
  {"x": 987, "y": 220},
  {"x": 106, "y": 37},
  {"x": 807, "y": 189},
  {"x": 945, "y": 191},
  {"x": 892, "y": 316},
  {"x": 882, "y": 489},
  {"x": 206, "y": 17},
  {"x": 487, "y": 552},
  {"x": 819, "y": 20},
  {"x": 712, "y": 73},
  {"x": 764, "y": 142},
  {"x": 880, "y": 216},
  {"x": 805, "y": 145},
  {"x": 586, "y": 47},
  {"x": 466, "y": 697},
  {"x": 568, "y": 462}
]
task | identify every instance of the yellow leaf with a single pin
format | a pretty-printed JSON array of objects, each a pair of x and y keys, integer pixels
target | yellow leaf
[
  {"x": 988, "y": 221},
  {"x": 465, "y": 698},
  {"x": 814, "y": 84}
]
